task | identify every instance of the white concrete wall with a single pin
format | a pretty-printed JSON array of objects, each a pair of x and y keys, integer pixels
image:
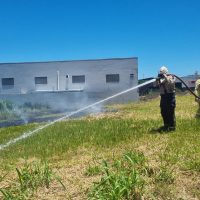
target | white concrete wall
[{"x": 94, "y": 70}]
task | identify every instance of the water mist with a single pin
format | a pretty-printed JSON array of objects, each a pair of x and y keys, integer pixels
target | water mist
[{"x": 27, "y": 134}]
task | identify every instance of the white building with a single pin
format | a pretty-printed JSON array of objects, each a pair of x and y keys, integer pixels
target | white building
[{"x": 48, "y": 81}]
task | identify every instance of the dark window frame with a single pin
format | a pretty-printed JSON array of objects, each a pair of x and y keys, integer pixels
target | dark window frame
[
  {"x": 132, "y": 76},
  {"x": 78, "y": 79},
  {"x": 41, "y": 80},
  {"x": 112, "y": 78},
  {"x": 7, "y": 83}
]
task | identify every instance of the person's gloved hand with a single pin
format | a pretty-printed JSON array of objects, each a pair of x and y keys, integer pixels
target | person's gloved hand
[
  {"x": 159, "y": 77},
  {"x": 164, "y": 76}
]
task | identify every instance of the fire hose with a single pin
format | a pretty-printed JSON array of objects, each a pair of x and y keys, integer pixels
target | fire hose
[{"x": 185, "y": 86}]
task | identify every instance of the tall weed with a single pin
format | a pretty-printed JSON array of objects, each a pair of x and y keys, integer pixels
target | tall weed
[
  {"x": 29, "y": 178},
  {"x": 121, "y": 179}
]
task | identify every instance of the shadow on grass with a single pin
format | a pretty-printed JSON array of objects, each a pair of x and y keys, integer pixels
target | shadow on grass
[
  {"x": 160, "y": 130},
  {"x": 197, "y": 116}
]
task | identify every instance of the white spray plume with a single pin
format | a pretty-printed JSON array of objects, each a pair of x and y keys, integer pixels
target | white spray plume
[{"x": 27, "y": 134}]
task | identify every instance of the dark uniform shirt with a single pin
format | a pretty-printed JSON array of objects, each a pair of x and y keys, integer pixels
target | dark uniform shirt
[{"x": 168, "y": 100}]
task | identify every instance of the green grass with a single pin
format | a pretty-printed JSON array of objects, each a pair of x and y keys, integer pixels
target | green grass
[
  {"x": 93, "y": 170},
  {"x": 12, "y": 132},
  {"x": 64, "y": 136},
  {"x": 29, "y": 178},
  {"x": 121, "y": 179},
  {"x": 106, "y": 132},
  {"x": 173, "y": 157}
]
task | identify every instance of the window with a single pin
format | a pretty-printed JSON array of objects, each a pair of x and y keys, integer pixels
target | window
[
  {"x": 7, "y": 83},
  {"x": 112, "y": 78},
  {"x": 131, "y": 76},
  {"x": 78, "y": 79},
  {"x": 41, "y": 80}
]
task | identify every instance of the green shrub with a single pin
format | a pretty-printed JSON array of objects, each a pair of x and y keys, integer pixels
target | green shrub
[
  {"x": 34, "y": 106},
  {"x": 7, "y": 110},
  {"x": 121, "y": 180},
  {"x": 30, "y": 178},
  {"x": 6, "y": 105}
]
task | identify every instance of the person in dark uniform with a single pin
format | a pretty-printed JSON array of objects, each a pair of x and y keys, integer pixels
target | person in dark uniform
[{"x": 166, "y": 83}]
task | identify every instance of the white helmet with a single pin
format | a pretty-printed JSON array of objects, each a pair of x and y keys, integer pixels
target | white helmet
[{"x": 163, "y": 70}]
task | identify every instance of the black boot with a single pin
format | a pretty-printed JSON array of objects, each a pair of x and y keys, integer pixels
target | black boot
[
  {"x": 171, "y": 128},
  {"x": 163, "y": 129}
]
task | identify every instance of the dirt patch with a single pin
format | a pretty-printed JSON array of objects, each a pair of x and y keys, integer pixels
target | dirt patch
[{"x": 73, "y": 176}]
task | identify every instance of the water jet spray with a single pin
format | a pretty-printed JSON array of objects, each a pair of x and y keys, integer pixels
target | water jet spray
[{"x": 27, "y": 134}]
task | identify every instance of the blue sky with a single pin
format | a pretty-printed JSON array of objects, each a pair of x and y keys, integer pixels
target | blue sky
[{"x": 158, "y": 32}]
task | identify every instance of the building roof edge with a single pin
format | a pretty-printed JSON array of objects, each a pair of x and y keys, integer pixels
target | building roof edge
[{"x": 82, "y": 60}]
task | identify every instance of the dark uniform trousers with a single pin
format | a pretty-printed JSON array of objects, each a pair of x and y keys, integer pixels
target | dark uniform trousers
[{"x": 167, "y": 105}]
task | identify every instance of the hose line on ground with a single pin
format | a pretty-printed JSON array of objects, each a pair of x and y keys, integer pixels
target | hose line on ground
[{"x": 186, "y": 86}]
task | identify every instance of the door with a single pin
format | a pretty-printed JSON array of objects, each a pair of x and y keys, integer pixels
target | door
[{"x": 67, "y": 82}]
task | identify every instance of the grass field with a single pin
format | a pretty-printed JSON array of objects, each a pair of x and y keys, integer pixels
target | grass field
[{"x": 105, "y": 147}]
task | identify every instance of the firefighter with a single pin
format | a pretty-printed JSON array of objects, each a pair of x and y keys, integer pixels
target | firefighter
[
  {"x": 166, "y": 83},
  {"x": 197, "y": 92}
]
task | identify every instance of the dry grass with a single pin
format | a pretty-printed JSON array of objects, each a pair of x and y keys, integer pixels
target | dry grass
[{"x": 163, "y": 151}]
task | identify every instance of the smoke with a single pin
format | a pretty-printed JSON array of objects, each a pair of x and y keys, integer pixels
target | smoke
[
  {"x": 28, "y": 108},
  {"x": 11, "y": 112},
  {"x": 22, "y": 115},
  {"x": 45, "y": 106},
  {"x": 93, "y": 105}
]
